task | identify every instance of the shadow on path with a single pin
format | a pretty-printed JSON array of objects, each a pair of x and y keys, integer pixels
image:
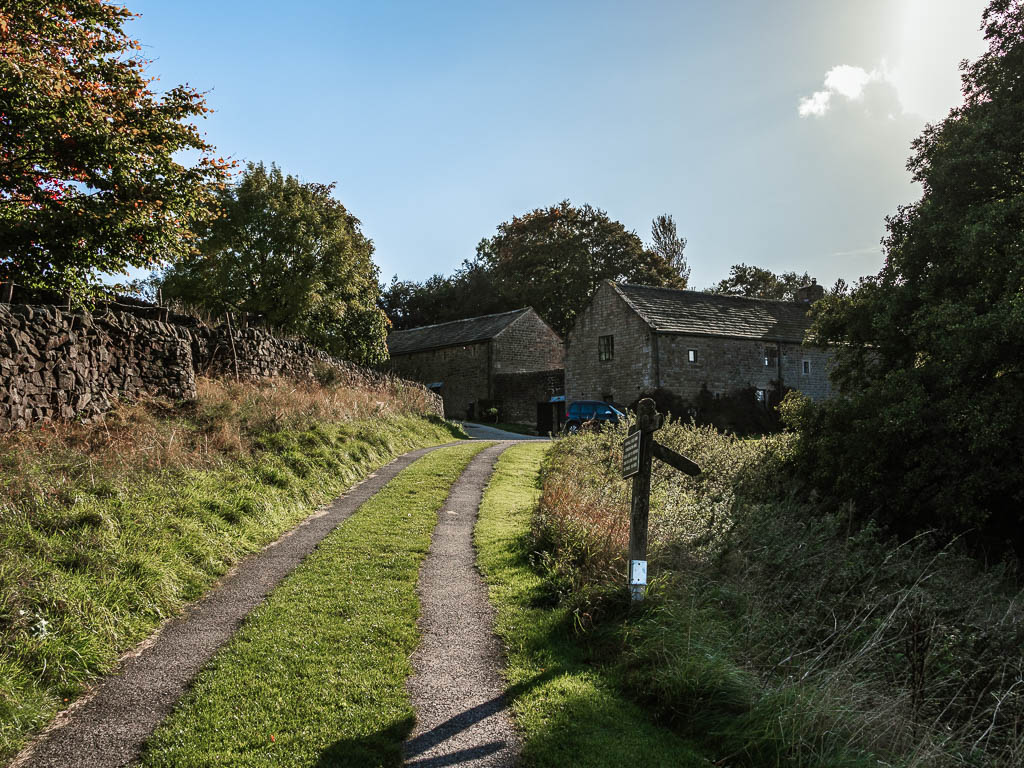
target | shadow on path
[{"x": 384, "y": 747}]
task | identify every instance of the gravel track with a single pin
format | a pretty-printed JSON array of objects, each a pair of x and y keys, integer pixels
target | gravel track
[
  {"x": 107, "y": 727},
  {"x": 457, "y": 687}
]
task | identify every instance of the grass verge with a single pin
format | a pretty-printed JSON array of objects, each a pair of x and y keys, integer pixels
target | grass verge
[
  {"x": 108, "y": 529},
  {"x": 569, "y": 712},
  {"x": 316, "y": 675}
]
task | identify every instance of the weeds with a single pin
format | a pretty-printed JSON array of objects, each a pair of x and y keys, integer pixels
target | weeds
[{"x": 783, "y": 632}]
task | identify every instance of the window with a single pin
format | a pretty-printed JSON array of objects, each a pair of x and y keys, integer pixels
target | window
[
  {"x": 605, "y": 348},
  {"x": 807, "y": 367},
  {"x": 691, "y": 355},
  {"x": 771, "y": 357}
]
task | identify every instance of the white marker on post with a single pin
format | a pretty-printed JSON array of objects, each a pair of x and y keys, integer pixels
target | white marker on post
[{"x": 637, "y": 578}]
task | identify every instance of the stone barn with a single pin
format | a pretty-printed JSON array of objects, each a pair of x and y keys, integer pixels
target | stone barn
[
  {"x": 633, "y": 339},
  {"x": 512, "y": 361}
]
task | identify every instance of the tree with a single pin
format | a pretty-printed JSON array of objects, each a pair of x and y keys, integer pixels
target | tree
[
  {"x": 291, "y": 253},
  {"x": 89, "y": 179},
  {"x": 931, "y": 350},
  {"x": 759, "y": 283},
  {"x": 551, "y": 259},
  {"x": 554, "y": 258},
  {"x": 667, "y": 243}
]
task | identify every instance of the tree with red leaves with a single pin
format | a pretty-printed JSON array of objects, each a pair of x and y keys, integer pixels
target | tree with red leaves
[{"x": 89, "y": 180}]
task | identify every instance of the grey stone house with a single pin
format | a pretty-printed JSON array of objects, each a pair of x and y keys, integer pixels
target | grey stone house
[
  {"x": 513, "y": 361},
  {"x": 634, "y": 339}
]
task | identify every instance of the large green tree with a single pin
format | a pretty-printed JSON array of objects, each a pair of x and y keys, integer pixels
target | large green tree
[
  {"x": 551, "y": 259},
  {"x": 292, "y": 254},
  {"x": 931, "y": 350},
  {"x": 91, "y": 178}
]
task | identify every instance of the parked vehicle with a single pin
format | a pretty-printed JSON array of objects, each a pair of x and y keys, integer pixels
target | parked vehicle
[{"x": 585, "y": 411}]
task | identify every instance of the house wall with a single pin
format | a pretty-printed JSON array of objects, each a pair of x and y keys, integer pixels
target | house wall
[
  {"x": 527, "y": 345},
  {"x": 629, "y": 372},
  {"x": 463, "y": 371},
  {"x": 519, "y": 393},
  {"x": 727, "y": 365}
]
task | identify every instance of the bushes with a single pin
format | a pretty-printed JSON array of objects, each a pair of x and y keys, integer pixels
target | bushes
[{"x": 784, "y": 630}]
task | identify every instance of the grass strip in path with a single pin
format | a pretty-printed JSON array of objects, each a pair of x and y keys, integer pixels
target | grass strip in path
[
  {"x": 316, "y": 675},
  {"x": 567, "y": 712}
]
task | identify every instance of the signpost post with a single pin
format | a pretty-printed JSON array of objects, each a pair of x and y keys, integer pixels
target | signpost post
[{"x": 638, "y": 450}]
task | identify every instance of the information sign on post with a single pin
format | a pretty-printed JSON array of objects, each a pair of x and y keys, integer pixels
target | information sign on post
[
  {"x": 631, "y": 455},
  {"x": 638, "y": 450}
]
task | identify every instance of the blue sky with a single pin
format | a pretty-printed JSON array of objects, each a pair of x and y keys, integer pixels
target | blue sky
[{"x": 775, "y": 133}]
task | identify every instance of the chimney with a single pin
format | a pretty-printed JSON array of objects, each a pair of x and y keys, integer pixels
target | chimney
[{"x": 809, "y": 294}]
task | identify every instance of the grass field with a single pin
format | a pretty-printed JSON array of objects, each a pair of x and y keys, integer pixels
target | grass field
[
  {"x": 108, "y": 529},
  {"x": 568, "y": 711},
  {"x": 316, "y": 675}
]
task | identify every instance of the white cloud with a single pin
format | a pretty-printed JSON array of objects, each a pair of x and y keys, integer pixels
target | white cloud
[
  {"x": 842, "y": 80},
  {"x": 816, "y": 104}
]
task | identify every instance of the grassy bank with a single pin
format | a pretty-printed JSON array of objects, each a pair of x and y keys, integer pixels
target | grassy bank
[
  {"x": 108, "y": 529},
  {"x": 777, "y": 632},
  {"x": 316, "y": 675},
  {"x": 569, "y": 712}
]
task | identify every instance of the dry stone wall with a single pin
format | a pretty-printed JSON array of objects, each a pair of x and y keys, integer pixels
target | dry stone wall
[{"x": 75, "y": 365}]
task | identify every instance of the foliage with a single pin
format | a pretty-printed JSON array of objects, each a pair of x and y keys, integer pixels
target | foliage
[
  {"x": 107, "y": 529},
  {"x": 760, "y": 283},
  {"x": 551, "y": 259},
  {"x": 930, "y": 351},
  {"x": 293, "y": 255},
  {"x": 777, "y": 627},
  {"x": 666, "y": 242},
  {"x": 90, "y": 176}
]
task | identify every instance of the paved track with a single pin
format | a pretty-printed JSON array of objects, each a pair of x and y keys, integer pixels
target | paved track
[
  {"x": 457, "y": 688},
  {"x": 106, "y": 729}
]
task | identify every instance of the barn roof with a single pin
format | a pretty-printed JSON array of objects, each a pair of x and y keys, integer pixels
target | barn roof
[
  {"x": 669, "y": 310},
  {"x": 468, "y": 331}
]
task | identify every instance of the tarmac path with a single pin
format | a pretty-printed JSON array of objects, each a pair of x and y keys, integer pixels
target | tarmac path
[
  {"x": 106, "y": 728},
  {"x": 457, "y": 687}
]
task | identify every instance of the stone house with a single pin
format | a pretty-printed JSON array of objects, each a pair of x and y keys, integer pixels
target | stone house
[
  {"x": 512, "y": 361},
  {"x": 634, "y": 339}
]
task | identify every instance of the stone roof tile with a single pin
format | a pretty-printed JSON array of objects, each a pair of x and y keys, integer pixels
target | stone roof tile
[
  {"x": 669, "y": 310},
  {"x": 468, "y": 331}
]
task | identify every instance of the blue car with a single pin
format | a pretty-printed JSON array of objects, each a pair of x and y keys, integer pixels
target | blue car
[{"x": 596, "y": 411}]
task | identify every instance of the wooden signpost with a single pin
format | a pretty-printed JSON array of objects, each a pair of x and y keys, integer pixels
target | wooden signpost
[{"x": 638, "y": 450}]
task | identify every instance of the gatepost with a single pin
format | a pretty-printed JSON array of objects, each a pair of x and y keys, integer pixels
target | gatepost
[{"x": 638, "y": 450}]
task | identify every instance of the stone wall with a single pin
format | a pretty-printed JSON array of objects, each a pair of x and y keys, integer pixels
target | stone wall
[
  {"x": 62, "y": 365},
  {"x": 724, "y": 366},
  {"x": 518, "y": 394}
]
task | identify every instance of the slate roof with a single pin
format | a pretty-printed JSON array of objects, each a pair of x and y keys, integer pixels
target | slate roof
[
  {"x": 669, "y": 310},
  {"x": 468, "y": 331}
]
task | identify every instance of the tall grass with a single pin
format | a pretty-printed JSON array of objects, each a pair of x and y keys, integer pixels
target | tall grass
[
  {"x": 778, "y": 629},
  {"x": 107, "y": 529}
]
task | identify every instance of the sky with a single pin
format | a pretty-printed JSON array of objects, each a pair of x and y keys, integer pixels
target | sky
[{"x": 775, "y": 133}]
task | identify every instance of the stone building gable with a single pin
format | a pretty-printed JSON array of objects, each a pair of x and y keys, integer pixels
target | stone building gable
[{"x": 527, "y": 345}]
